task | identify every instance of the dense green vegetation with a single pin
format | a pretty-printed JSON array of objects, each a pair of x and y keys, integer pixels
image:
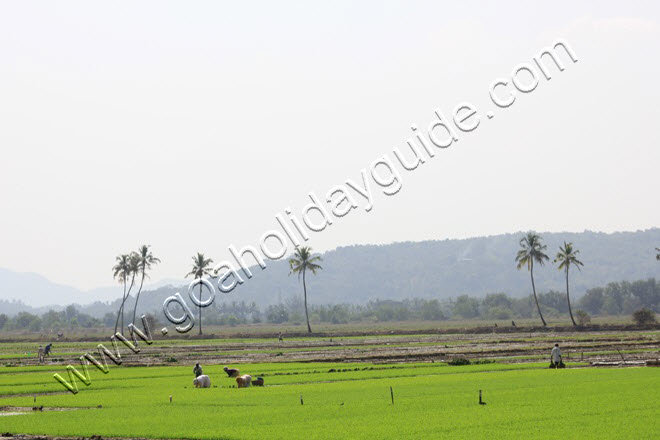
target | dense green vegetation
[
  {"x": 345, "y": 401},
  {"x": 614, "y": 299},
  {"x": 70, "y": 317}
]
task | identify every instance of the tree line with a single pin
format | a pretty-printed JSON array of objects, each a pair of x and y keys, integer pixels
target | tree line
[
  {"x": 135, "y": 266},
  {"x": 495, "y": 306},
  {"x": 614, "y": 299},
  {"x": 69, "y": 318},
  {"x": 532, "y": 251},
  {"x": 622, "y": 298}
]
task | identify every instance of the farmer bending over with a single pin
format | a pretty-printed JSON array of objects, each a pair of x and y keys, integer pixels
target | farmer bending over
[
  {"x": 197, "y": 371},
  {"x": 232, "y": 372}
]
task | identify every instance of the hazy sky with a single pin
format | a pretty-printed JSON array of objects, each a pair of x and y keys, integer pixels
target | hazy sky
[{"x": 188, "y": 126}]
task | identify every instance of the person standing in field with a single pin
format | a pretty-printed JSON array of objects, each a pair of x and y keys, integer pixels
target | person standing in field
[
  {"x": 197, "y": 371},
  {"x": 555, "y": 356}
]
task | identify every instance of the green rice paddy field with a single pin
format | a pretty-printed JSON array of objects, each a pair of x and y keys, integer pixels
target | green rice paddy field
[{"x": 431, "y": 400}]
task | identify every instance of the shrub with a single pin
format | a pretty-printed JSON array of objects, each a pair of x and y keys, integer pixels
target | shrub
[
  {"x": 152, "y": 321},
  {"x": 583, "y": 317},
  {"x": 459, "y": 361},
  {"x": 3, "y": 320},
  {"x": 277, "y": 314},
  {"x": 498, "y": 312},
  {"x": 644, "y": 316},
  {"x": 466, "y": 307}
]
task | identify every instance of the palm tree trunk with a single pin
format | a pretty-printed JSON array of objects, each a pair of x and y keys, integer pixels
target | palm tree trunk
[
  {"x": 531, "y": 271},
  {"x": 309, "y": 328},
  {"x": 568, "y": 298},
  {"x": 123, "y": 302},
  {"x": 137, "y": 298},
  {"x": 200, "y": 308},
  {"x": 121, "y": 308}
]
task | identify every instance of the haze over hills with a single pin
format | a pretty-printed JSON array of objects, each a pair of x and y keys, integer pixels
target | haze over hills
[
  {"x": 429, "y": 269},
  {"x": 448, "y": 268},
  {"x": 37, "y": 291}
]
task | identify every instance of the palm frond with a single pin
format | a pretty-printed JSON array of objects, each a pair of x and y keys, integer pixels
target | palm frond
[
  {"x": 201, "y": 266},
  {"x": 567, "y": 256},
  {"x": 532, "y": 250},
  {"x": 121, "y": 270},
  {"x": 302, "y": 260}
]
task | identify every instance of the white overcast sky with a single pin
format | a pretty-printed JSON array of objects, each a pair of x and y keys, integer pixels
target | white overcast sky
[{"x": 189, "y": 125}]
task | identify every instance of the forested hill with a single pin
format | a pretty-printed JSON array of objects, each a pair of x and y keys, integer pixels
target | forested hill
[
  {"x": 448, "y": 268},
  {"x": 429, "y": 269}
]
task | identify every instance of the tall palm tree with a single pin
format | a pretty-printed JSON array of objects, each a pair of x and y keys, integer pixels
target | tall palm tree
[
  {"x": 531, "y": 250},
  {"x": 145, "y": 261},
  {"x": 120, "y": 272},
  {"x": 201, "y": 267},
  {"x": 565, "y": 257},
  {"x": 131, "y": 269},
  {"x": 300, "y": 263}
]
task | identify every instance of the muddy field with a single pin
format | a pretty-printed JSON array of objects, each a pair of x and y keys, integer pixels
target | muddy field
[{"x": 608, "y": 345}]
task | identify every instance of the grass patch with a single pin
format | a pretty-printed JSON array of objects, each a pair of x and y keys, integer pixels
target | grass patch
[{"x": 352, "y": 402}]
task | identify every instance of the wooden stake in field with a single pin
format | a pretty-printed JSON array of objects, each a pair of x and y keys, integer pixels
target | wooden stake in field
[
  {"x": 392, "y": 395},
  {"x": 301, "y": 399}
]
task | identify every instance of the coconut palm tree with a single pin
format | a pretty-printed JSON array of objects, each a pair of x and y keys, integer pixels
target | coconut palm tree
[
  {"x": 300, "y": 263},
  {"x": 531, "y": 250},
  {"x": 145, "y": 261},
  {"x": 565, "y": 257},
  {"x": 201, "y": 267},
  {"x": 134, "y": 268},
  {"x": 120, "y": 272},
  {"x": 131, "y": 270}
]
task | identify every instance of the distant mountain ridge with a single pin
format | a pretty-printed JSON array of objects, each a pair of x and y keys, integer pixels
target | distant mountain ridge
[
  {"x": 41, "y": 292},
  {"x": 428, "y": 269},
  {"x": 448, "y": 268}
]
